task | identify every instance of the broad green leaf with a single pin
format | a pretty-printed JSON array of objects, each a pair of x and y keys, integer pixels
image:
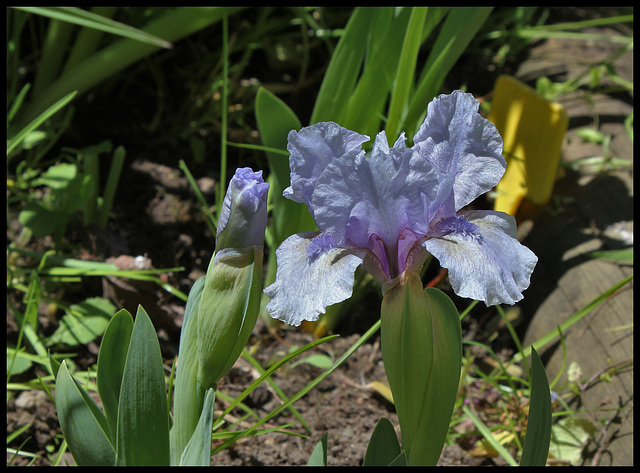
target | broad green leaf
[
  {"x": 95, "y": 306},
  {"x": 198, "y": 450},
  {"x": 42, "y": 220},
  {"x": 111, "y": 361},
  {"x": 591, "y": 135},
  {"x": 83, "y": 424},
  {"x": 383, "y": 446},
  {"x": 400, "y": 460},
  {"x": 186, "y": 412},
  {"x": 318, "y": 361},
  {"x": 569, "y": 437},
  {"x": 143, "y": 421},
  {"x": 422, "y": 353},
  {"x": 319, "y": 455},
  {"x": 16, "y": 363},
  {"x": 22, "y": 355},
  {"x": 408, "y": 360},
  {"x": 57, "y": 176},
  {"x": 445, "y": 374},
  {"x": 78, "y": 330},
  {"x": 536, "y": 442},
  {"x": 83, "y": 322},
  {"x": 275, "y": 120}
]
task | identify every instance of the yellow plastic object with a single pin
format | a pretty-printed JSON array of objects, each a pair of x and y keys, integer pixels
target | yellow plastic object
[{"x": 532, "y": 129}]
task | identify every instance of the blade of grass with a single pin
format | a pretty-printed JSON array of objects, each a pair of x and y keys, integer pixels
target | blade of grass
[
  {"x": 91, "y": 171},
  {"x": 553, "y": 334},
  {"x": 112, "y": 184},
  {"x": 611, "y": 20},
  {"x": 512, "y": 332},
  {"x": 39, "y": 120},
  {"x": 88, "y": 39},
  {"x": 541, "y": 34},
  {"x": 366, "y": 104},
  {"x": 172, "y": 26},
  {"x": 564, "y": 360},
  {"x": 488, "y": 435},
  {"x": 209, "y": 218},
  {"x": 460, "y": 26},
  {"x": 87, "y": 19},
  {"x": 271, "y": 370},
  {"x": 344, "y": 68},
  {"x": 275, "y": 387},
  {"x": 280, "y": 429},
  {"x": 17, "y": 103},
  {"x": 306, "y": 389},
  {"x": 266, "y": 149}
]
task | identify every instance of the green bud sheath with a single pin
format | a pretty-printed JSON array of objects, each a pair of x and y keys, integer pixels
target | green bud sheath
[
  {"x": 228, "y": 311},
  {"x": 186, "y": 410},
  {"x": 422, "y": 354}
]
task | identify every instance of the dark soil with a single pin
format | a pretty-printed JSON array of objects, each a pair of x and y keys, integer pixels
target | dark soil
[{"x": 157, "y": 215}]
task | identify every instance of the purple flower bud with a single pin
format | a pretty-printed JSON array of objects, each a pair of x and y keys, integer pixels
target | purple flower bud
[{"x": 243, "y": 217}]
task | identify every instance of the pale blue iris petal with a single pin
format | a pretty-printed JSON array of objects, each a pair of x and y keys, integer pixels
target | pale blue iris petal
[
  {"x": 245, "y": 209},
  {"x": 304, "y": 285},
  {"x": 485, "y": 260},
  {"x": 380, "y": 195},
  {"x": 312, "y": 149},
  {"x": 459, "y": 142}
]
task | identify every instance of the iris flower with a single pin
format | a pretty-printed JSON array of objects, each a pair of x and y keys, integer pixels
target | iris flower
[{"x": 390, "y": 210}]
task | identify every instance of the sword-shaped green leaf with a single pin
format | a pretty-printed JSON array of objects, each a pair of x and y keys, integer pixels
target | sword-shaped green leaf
[
  {"x": 536, "y": 442},
  {"x": 111, "y": 361},
  {"x": 198, "y": 450},
  {"x": 83, "y": 424},
  {"x": 319, "y": 455},
  {"x": 143, "y": 418},
  {"x": 383, "y": 446}
]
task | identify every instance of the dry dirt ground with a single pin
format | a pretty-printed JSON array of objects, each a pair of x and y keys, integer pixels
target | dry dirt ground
[{"x": 344, "y": 405}]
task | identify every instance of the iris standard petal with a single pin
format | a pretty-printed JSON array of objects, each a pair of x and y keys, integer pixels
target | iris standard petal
[
  {"x": 485, "y": 260},
  {"x": 379, "y": 196},
  {"x": 459, "y": 142},
  {"x": 312, "y": 149},
  {"x": 311, "y": 275}
]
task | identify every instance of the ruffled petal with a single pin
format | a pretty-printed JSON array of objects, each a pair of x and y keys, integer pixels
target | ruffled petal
[
  {"x": 379, "y": 196},
  {"x": 485, "y": 260},
  {"x": 459, "y": 142},
  {"x": 311, "y": 275},
  {"x": 312, "y": 149}
]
